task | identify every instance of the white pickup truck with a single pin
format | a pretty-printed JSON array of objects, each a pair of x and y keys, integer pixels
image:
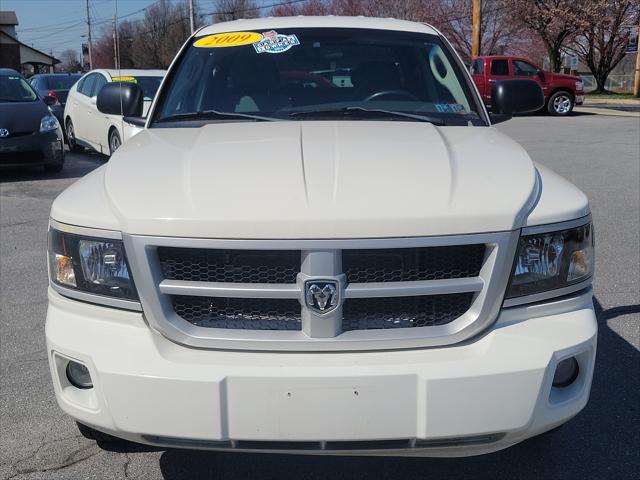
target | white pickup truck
[{"x": 320, "y": 244}]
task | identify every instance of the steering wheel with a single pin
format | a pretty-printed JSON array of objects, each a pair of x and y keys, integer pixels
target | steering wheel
[{"x": 384, "y": 93}]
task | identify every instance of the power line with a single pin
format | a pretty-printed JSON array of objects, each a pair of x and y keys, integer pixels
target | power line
[{"x": 251, "y": 9}]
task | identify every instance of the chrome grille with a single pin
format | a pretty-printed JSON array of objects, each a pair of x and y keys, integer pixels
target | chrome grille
[
  {"x": 250, "y": 294},
  {"x": 239, "y": 313},
  {"x": 236, "y": 266},
  {"x": 412, "y": 264},
  {"x": 404, "y": 312}
]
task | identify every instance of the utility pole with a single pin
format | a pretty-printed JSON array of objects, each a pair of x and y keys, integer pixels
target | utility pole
[
  {"x": 115, "y": 43},
  {"x": 475, "y": 32},
  {"x": 636, "y": 79},
  {"x": 191, "y": 17},
  {"x": 89, "y": 36}
]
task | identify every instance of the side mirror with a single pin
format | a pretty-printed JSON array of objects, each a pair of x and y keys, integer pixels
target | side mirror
[
  {"x": 50, "y": 101},
  {"x": 540, "y": 74},
  {"x": 516, "y": 96},
  {"x": 120, "y": 98}
]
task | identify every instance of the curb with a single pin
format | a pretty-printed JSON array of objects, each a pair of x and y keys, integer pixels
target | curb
[{"x": 606, "y": 111}]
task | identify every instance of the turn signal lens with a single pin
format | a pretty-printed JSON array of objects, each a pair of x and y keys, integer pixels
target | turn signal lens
[{"x": 63, "y": 270}]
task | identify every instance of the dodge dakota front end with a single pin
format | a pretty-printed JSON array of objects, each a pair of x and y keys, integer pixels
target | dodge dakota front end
[{"x": 319, "y": 244}]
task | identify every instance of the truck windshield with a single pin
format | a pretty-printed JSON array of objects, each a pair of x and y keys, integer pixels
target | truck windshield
[{"x": 339, "y": 73}]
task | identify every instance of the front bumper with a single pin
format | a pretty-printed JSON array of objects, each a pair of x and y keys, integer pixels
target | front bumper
[
  {"x": 471, "y": 398},
  {"x": 579, "y": 98},
  {"x": 31, "y": 150}
]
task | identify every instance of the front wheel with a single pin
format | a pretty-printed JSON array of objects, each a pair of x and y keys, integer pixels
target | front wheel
[
  {"x": 561, "y": 103},
  {"x": 114, "y": 141}
]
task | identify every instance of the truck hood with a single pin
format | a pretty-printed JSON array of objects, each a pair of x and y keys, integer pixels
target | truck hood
[
  {"x": 343, "y": 179},
  {"x": 562, "y": 76}
]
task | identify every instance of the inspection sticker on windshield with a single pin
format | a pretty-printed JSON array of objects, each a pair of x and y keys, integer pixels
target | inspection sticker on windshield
[
  {"x": 273, "y": 42},
  {"x": 229, "y": 39},
  {"x": 449, "y": 107}
]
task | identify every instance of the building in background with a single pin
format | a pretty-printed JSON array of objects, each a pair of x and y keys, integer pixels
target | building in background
[{"x": 17, "y": 55}]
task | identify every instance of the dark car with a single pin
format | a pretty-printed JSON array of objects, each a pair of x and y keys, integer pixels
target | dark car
[
  {"x": 29, "y": 133},
  {"x": 55, "y": 85}
]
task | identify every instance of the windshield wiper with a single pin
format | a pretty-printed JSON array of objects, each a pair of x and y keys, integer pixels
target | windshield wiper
[
  {"x": 215, "y": 115},
  {"x": 366, "y": 112}
]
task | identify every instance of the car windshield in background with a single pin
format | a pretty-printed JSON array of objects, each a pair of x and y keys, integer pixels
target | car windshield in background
[
  {"x": 15, "y": 89},
  {"x": 61, "y": 82},
  {"x": 149, "y": 86},
  {"x": 337, "y": 73}
]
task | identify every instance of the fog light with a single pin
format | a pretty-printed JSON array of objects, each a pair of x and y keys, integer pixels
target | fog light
[
  {"x": 566, "y": 372},
  {"x": 78, "y": 375}
]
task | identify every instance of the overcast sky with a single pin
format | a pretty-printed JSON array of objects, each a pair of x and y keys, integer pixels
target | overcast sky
[{"x": 55, "y": 25}]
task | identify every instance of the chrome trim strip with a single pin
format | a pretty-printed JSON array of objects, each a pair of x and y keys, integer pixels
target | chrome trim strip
[
  {"x": 555, "y": 227},
  {"x": 230, "y": 290},
  {"x": 548, "y": 295},
  {"x": 86, "y": 231},
  {"x": 97, "y": 299},
  {"x": 327, "y": 244},
  {"x": 408, "y": 289}
]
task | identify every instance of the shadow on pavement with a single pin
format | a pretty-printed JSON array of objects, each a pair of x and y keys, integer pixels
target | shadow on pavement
[{"x": 567, "y": 453}]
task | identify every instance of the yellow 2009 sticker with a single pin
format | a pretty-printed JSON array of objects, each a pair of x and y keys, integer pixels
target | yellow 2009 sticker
[
  {"x": 230, "y": 39},
  {"x": 124, "y": 79}
]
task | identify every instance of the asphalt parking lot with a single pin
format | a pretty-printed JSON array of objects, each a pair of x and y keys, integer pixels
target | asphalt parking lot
[{"x": 600, "y": 154}]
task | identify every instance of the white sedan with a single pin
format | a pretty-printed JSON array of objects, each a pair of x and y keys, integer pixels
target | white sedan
[{"x": 87, "y": 127}]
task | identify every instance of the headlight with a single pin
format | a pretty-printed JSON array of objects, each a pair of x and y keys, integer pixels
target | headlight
[
  {"x": 90, "y": 265},
  {"x": 579, "y": 85},
  {"x": 552, "y": 260},
  {"x": 48, "y": 123}
]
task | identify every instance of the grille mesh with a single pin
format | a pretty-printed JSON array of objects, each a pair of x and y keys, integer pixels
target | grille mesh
[
  {"x": 404, "y": 312},
  {"x": 412, "y": 264},
  {"x": 237, "y": 266},
  {"x": 239, "y": 313}
]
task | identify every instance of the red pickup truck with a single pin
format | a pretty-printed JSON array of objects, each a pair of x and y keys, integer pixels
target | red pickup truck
[{"x": 561, "y": 92}]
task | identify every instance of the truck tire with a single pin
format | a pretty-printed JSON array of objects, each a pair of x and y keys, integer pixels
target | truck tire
[
  {"x": 561, "y": 103},
  {"x": 71, "y": 137}
]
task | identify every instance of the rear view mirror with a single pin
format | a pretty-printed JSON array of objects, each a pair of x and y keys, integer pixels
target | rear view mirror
[
  {"x": 516, "y": 96},
  {"x": 120, "y": 98}
]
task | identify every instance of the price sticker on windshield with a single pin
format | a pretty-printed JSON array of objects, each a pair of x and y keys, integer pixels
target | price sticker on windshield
[{"x": 229, "y": 39}]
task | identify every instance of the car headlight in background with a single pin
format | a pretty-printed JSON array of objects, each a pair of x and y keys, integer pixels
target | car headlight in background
[
  {"x": 553, "y": 260},
  {"x": 90, "y": 265},
  {"x": 48, "y": 123},
  {"x": 579, "y": 85}
]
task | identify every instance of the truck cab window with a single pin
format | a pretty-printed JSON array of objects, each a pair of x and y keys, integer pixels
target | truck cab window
[{"x": 499, "y": 67}]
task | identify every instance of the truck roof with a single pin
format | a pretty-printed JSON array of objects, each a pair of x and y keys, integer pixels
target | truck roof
[{"x": 318, "y": 22}]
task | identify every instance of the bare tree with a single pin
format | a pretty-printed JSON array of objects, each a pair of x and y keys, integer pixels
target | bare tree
[
  {"x": 601, "y": 44},
  {"x": 70, "y": 61},
  {"x": 555, "y": 21},
  {"x": 227, "y": 10}
]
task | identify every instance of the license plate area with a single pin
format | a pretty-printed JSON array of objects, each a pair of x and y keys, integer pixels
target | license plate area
[{"x": 322, "y": 409}]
